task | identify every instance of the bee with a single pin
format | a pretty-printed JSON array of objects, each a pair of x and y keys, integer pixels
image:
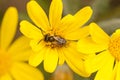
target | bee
[
  {"x": 55, "y": 40},
  {"x": 60, "y": 40}
]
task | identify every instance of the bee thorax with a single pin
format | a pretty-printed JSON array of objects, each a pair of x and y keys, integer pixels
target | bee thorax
[{"x": 56, "y": 41}]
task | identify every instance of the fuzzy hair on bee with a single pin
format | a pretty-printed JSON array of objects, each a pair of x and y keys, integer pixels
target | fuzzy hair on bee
[{"x": 56, "y": 41}]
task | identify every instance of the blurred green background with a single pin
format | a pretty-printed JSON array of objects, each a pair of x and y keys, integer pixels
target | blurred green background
[{"x": 105, "y": 12}]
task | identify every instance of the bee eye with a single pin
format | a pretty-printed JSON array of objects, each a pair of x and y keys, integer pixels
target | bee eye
[
  {"x": 46, "y": 38},
  {"x": 51, "y": 39}
]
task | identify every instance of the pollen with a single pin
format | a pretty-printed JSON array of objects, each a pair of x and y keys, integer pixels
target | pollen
[
  {"x": 114, "y": 46},
  {"x": 5, "y": 62}
]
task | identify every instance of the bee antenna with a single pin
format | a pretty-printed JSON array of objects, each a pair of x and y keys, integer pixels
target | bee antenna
[
  {"x": 39, "y": 41},
  {"x": 41, "y": 30}
]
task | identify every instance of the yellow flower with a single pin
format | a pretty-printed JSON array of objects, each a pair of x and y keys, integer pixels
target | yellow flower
[
  {"x": 13, "y": 55},
  {"x": 107, "y": 49},
  {"x": 54, "y": 40}
]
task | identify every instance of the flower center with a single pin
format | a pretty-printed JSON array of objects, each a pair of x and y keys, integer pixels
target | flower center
[
  {"x": 114, "y": 46},
  {"x": 54, "y": 40},
  {"x": 5, "y": 62}
]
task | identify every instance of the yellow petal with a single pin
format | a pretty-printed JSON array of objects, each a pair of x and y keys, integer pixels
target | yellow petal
[
  {"x": 61, "y": 57},
  {"x": 115, "y": 70},
  {"x": 80, "y": 18},
  {"x": 37, "y": 45},
  {"x": 87, "y": 46},
  {"x": 81, "y": 71},
  {"x": 115, "y": 35},
  {"x": 20, "y": 49},
  {"x": 51, "y": 60},
  {"x": 37, "y": 15},
  {"x": 83, "y": 15},
  {"x": 73, "y": 47},
  {"x": 105, "y": 73},
  {"x": 95, "y": 63},
  {"x": 77, "y": 34},
  {"x": 6, "y": 77},
  {"x": 22, "y": 71},
  {"x": 118, "y": 72},
  {"x": 20, "y": 44},
  {"x": 75, "y": 60},
  {"x": 22, "y": 56},
  {"x": 55, "y": 12},
  {"x": 30, "y": 30},
  {"x": 8, "y": 27},
  {"x": 65, "y": 22},
  {"x": 37, "y": 57},
  {"x": 98, "y": 35}
]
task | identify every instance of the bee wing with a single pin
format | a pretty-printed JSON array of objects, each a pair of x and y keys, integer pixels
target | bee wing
[
  {"x": 56, "y": 38},
  {"x": 60, "y": 40}
]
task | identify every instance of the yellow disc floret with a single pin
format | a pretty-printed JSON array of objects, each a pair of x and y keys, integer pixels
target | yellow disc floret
[{"x": 114, "y": 45}]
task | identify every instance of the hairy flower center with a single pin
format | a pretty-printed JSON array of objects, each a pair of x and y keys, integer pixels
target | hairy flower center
[
  {"x": 5, "y": 62},
  {"x": 114, "y": 47}
]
